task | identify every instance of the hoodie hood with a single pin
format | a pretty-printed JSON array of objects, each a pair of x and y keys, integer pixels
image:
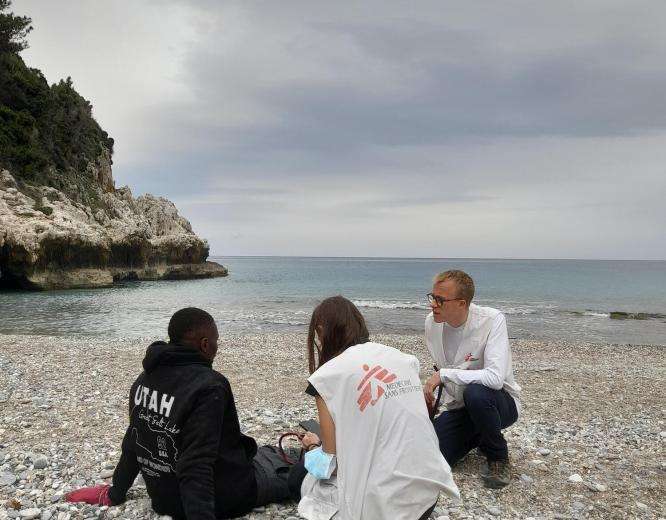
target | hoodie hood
[{"x": 171, "y": 354}]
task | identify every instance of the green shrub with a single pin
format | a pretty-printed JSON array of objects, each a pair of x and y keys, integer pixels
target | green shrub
[{"x": 47, "y": 133}]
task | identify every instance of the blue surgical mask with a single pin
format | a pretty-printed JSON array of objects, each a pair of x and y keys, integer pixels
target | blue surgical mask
[{"x": 319, "y": 463}]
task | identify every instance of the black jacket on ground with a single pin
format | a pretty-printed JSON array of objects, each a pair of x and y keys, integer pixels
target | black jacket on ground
[{"x": 185, "y": 439}]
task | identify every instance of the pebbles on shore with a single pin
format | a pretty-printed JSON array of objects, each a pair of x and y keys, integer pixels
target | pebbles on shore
[{"x": 590, "y": 442}]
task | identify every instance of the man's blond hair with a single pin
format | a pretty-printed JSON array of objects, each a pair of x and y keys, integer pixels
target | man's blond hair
[{"x": 464, "y": 283}]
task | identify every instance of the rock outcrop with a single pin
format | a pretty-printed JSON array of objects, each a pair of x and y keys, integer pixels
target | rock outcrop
[
  {"x": 49, "y": 241},
  {"x": 63, "y": 223}
]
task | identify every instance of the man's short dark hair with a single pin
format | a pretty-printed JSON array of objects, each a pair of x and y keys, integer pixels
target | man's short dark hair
[{"x": 186, "y": 321}]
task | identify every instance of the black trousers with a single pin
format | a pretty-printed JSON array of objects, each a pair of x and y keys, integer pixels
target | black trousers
[
  {"x": 478, "y": 425},
  {"x": 277, "y": 481},
  {"x": 426, "y": 515}
]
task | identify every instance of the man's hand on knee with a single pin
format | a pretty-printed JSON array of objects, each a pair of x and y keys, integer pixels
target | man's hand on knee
[{"x": 429, "y": 388}]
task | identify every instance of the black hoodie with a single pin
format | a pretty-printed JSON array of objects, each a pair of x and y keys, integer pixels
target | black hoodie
[{"x": 185, "y": 439}]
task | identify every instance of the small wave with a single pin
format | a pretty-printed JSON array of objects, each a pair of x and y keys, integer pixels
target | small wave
[
  {"x": 620, "y": 315},
  {"x": 590, "y": 313},
  {"x": 518, "y": 310},
  {"x": 267, "y": 319},
  {"x": 386, "y": 304},
  {"x": 596, "y": 314},
  {"x": 285, "y": 322}
]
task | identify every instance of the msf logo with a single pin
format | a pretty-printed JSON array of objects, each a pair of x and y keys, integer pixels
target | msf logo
[{"x": 372, "y": 386}]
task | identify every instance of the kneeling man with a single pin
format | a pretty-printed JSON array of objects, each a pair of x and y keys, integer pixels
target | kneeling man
[{"x": 470, "y": 344}]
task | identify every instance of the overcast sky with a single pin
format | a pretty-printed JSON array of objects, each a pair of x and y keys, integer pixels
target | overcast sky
[{"x": 422, "y": 129}]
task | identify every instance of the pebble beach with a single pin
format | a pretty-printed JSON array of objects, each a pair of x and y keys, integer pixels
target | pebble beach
[{"x": 591, "y": 442}]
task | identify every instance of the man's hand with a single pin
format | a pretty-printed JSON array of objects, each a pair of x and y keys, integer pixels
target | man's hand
[
  {"x": 309, "y": 440},
  {"x": 98, "y": 495},
  {"x": 429, "y": 387}
]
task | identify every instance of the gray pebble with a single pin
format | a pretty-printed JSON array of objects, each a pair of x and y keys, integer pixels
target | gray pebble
[
  {"x": 7, "y": 479},
  {"x": 40, "y": 462},
  {"x": 596, "y": 487},
  {"x": 575, "y": 478}
]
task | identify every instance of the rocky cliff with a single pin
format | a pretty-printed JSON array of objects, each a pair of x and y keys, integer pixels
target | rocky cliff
[
  {"x": 63, "y": 224},
  {"x": 49, "y": 241}
]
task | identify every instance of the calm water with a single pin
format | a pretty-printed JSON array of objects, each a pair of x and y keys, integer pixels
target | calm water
[{"x": 543, "y": 299}]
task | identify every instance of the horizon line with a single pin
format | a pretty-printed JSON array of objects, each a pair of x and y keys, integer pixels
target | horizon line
[{"x": 443, "y": 258}]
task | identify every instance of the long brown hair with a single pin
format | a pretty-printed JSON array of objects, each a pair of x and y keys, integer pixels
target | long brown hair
[{"x": 340, "y": 326}]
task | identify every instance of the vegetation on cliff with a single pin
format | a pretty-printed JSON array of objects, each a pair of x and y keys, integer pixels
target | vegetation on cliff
[
  {"x": 48, "y": 136},
  {"x": 63, "y": 223}
]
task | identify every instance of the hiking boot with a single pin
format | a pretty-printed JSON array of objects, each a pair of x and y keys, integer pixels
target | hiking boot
[{"x": 497, "y": 474}]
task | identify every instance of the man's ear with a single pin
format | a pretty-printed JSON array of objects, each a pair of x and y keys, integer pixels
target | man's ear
[{"x": 204, "y": 347}]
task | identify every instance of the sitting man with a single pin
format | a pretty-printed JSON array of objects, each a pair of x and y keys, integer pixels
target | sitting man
[
  {"x": 184, "y": 436},
  {"x": 470, "y": 345}
]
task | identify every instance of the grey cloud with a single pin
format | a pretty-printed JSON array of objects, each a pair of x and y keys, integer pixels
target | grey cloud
[
  {"x": 434, "y": 198},
  {"x": 442, "y": 84},
  {"x": 470, "y": 88},
  {"x": 291, "y": 128}
]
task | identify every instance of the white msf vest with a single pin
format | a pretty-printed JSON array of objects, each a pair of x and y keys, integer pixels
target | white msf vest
[{"x": 389, "y": 463}]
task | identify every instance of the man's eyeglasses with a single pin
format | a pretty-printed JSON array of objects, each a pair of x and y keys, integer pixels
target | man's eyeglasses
[{"x": 438, "y": 300}]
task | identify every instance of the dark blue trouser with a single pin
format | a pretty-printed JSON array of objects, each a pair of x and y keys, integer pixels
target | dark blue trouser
[{"x": 478, "y": 425}]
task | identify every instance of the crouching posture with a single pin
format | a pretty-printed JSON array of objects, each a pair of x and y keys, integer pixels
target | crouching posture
[
  {"x": 184, "y": 436},
  {"x": 471, "y": 346}
]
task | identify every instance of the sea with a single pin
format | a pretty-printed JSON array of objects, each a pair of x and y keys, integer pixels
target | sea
[{"x": 571, "y": 300}]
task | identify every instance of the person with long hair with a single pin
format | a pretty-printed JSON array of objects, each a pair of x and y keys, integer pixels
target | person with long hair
[{"x": 377, "y": 456}]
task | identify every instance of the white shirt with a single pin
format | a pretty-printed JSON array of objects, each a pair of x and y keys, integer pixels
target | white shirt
[
  {"x": 388, "y": 458},
  {"x": 476, "y": 352}
]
